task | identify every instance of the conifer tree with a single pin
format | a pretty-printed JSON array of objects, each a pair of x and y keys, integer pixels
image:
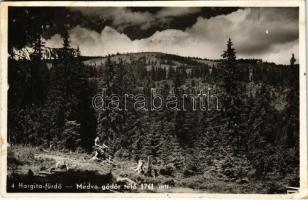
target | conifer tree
[
  {"x": 69, "y": 95},
  {"x": 229, "y": 56},
  {"x": 293, "y": 105},
  {"x": 39, "y": 74},
  {"x": 105, "y": 128},
  {"x": 66, "y": 41},
  {"x": 232, "y": 99},
  {"x": 292, "y": 60}
]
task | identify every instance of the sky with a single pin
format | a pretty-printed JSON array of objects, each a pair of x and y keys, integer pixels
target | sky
[{"x": 270, "y": 34}]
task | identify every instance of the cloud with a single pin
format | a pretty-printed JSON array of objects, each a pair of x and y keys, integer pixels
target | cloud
[
  {"x": 54, "y": 42},
  {"x": 119, "y": 17},
  {"x": 255, "y": 32},
  {"x": 142, "y": 22},
  {"x": 122, "y": 17},
  {"x": 107, "y": 42},
  {"x": 180, "y": 11}
]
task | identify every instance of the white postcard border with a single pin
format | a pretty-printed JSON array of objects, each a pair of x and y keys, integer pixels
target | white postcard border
[{"x": 303, "y": 193}]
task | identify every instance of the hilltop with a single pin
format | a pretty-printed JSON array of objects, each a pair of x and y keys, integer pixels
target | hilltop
[{"x": 156, "y": 59}]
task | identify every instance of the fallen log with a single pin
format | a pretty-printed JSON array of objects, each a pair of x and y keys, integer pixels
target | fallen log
[
  {"x": 94, "y": 157},
  {"x": 44, "y": 150},
  {"x": 125, "y": 180},
  {"x": 44, "y": 173}
]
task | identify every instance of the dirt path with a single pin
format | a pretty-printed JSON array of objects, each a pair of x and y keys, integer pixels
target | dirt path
[{"x": 73, "y": 162}]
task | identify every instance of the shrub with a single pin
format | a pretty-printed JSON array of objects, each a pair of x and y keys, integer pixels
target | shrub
[
  {"x": 167, "y": 170},
  {"x": 235, "y": 168},
  {"x": 21, "y": 154},
  {"x": 71, "y": 135},
  {"x": 122, "y": 153}
]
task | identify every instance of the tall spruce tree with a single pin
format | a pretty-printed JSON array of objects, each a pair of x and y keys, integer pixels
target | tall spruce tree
[
  {"x": 69, "y": 97},
  {"x": 232, "y": 99},
  {"x": 229, "y": 56},
  {"x": 38, "y": 73},
  {"x": 293, "y": 105},
  {"x": 106, "y": 127}
]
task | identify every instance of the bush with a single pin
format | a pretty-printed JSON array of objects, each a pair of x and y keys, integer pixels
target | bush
[
  {"x": 167, "y": 170},
  {"x": 236, "y": 168},
  {"x": 188, "y": 172},
  {"x": 71, "y": 136},
  {"x": 122, "y": 153},
  {"x": 21, "y": 154}
]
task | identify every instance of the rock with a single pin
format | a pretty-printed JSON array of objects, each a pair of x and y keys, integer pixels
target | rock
[
  {"x": 169, "y": 182},
  {"x": 274, "y": 187},
  {"x": 188, "y": 172},
  {"x": 251, "y": 173},
  {"x": 243, "y": 181},
  {"x": 63, "y": 167}
]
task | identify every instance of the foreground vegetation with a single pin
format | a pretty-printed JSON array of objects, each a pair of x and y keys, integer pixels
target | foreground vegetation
[{"x": 25, "y": 160}]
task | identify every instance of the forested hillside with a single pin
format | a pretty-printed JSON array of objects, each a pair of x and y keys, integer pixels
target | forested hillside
[{"x": 253, "y": 138}]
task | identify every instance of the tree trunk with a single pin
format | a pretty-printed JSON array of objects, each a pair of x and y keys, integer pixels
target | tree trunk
[
  {"x": 148, "y": 171},
  {"x": 139, "y": 168}
]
